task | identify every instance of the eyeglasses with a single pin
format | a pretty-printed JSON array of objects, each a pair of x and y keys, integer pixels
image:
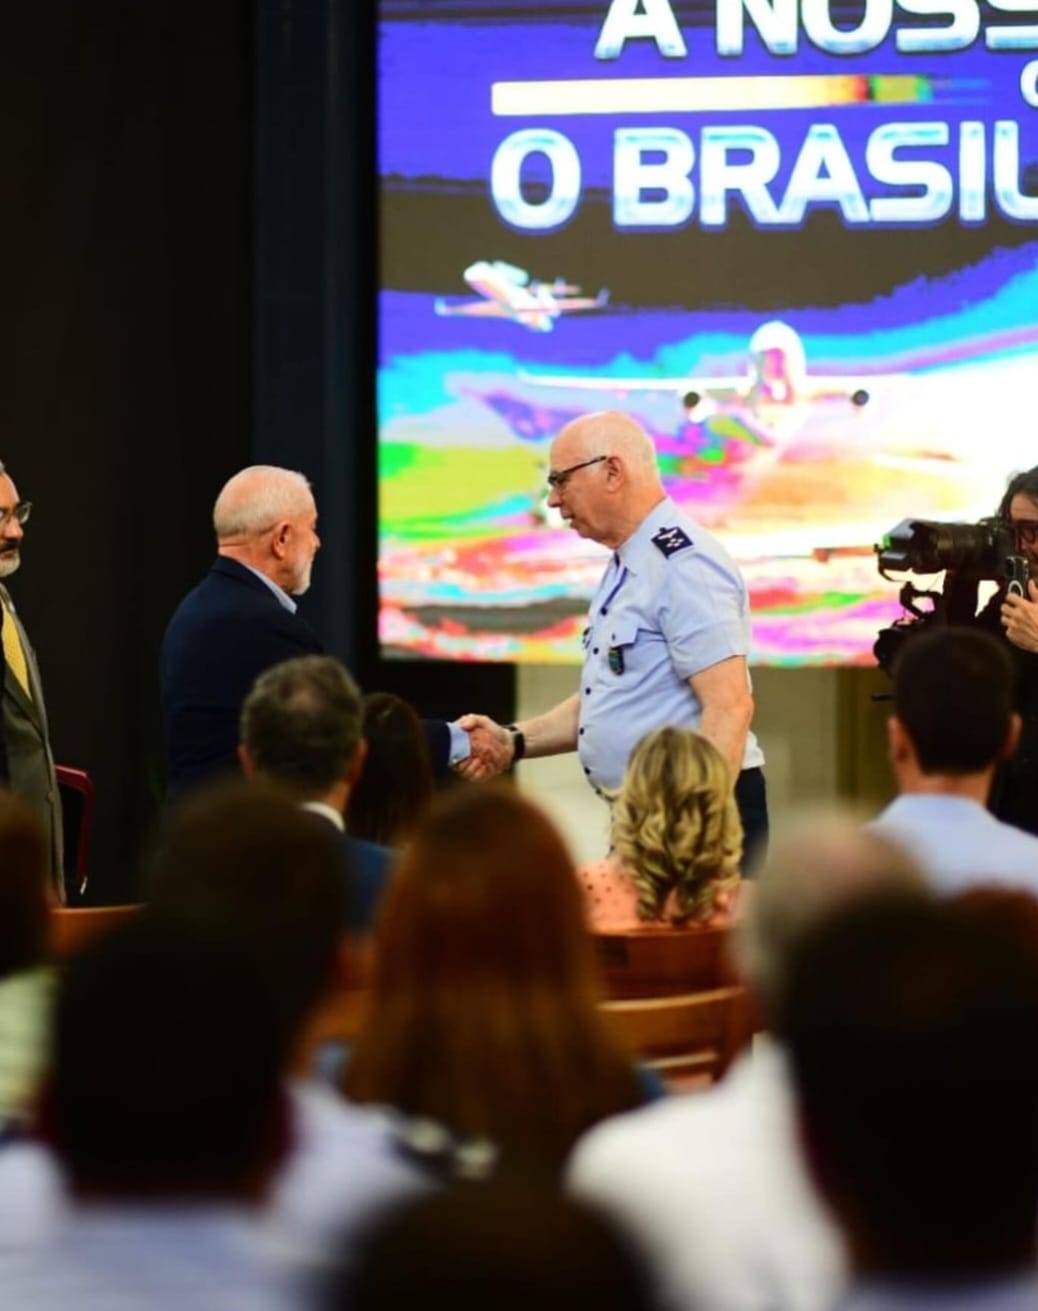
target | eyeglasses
[
  {"x": 19, "y": 513},
  {"x": 558, "y": 478},
  {"x": 1026, "y": 531}
]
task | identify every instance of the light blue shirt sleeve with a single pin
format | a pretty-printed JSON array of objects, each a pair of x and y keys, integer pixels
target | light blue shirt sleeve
[
  {"x": 461, "y": 748},
  {"x": 703, "y": 615}
]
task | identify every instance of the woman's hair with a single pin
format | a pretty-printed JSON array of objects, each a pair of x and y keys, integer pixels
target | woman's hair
[
  {"x": 1021, "y": 484},
  {"x": 483, "y": 1012},
  {"x": 675, "y": 823},
  {"x": 396, "y": 783}
]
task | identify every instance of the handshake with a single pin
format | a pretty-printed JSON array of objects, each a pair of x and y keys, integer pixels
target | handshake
[{"x": 491, "y": 746}]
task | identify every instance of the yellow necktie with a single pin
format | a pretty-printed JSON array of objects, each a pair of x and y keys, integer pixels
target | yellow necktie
[{"x": 14, "y": 652}]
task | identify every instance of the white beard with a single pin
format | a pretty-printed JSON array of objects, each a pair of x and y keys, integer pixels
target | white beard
[
  {"x": 9, "y": 563},
  {"x": 302, "y": 582}
]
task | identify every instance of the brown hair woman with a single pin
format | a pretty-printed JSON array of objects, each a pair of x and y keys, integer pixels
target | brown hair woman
[
  {"x": 483, "y": 1013},
  {"x": 396, "y": 783}
]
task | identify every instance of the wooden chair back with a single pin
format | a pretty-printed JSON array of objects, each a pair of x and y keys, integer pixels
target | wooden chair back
[
  {"x": 685, "y": 1036},
  {"x": 73, "y": 927},
  {"x": 655, "y": 962}
]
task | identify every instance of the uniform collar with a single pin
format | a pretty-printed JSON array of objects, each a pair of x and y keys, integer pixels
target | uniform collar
[{"x": 633, "y": 552}]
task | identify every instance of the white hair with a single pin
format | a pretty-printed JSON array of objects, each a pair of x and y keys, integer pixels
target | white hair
[
  {"x": 257, "y": 498},
  {"x": 822, "y": 858}
]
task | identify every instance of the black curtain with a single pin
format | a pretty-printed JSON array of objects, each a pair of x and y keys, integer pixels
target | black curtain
[
  {"x": 128, "y": 401},
  {"x": 316, "y": 327},
  {"x": 191, "y": 272}
]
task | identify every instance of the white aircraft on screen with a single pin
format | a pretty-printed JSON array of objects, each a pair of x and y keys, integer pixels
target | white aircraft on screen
[
  {"x": 510, "y": 293},
  {"x": 776, "y": 383}
]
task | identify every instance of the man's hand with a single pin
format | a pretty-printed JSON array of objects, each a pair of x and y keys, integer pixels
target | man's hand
[
  {"x": 492, "y": 748},
  {"x": 1020, "y": 618}
]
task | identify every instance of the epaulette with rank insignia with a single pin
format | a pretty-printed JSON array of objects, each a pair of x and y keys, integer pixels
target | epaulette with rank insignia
[{"x": 669, "y": 540}]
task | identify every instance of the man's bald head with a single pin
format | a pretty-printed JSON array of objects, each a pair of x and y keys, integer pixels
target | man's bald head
[
  {"x": 820, "y": 860},
  {"x": 257, "y": 498},
  {"x": 604, "y": 479},
  {"x": 607, "y": 432}
]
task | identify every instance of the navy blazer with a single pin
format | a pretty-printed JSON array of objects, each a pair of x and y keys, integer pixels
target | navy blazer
[
  {"x": 222, "y": 636},
  {"x": 368, "y": 866}
]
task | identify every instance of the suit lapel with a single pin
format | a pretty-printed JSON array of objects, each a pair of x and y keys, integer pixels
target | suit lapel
[{"x": 30, "y": 706}]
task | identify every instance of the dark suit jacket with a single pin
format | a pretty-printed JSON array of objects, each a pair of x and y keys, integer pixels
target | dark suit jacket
[
  {"x": 223, "y": 635},
  {"x": 26, "y": 759},
  {"x": 368, "y": 867}
]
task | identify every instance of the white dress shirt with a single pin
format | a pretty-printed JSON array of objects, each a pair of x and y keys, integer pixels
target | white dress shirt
[{"x": 711, "y": 1187}]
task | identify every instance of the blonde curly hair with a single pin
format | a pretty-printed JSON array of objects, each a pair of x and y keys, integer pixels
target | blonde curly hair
[{"x": 675, "y": 825}]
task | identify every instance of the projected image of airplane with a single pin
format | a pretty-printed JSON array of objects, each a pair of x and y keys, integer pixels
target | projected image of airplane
[
  {"x": 775, "y": 390},
  {"x": 510, "y": 293}
]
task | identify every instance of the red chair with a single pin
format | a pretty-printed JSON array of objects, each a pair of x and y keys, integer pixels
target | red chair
[{"x": 76, "y": 790}]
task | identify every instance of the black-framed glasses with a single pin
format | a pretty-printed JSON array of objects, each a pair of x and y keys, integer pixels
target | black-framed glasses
[
  {"x": 19, "y": 513},
  {"x": 1026, "y": 531},
  {"x": 558, "y": 478}
]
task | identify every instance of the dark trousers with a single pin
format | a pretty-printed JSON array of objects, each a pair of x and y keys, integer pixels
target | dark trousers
[{"x": 751, "y": 796}]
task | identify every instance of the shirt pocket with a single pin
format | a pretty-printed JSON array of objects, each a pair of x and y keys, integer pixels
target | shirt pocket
[{"x": 634, "y": 652}]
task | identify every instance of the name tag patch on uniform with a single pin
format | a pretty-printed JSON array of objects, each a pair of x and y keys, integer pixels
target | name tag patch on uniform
[
  {"x": 669, "y": 540},
  {"x": 616, "y": 659}
]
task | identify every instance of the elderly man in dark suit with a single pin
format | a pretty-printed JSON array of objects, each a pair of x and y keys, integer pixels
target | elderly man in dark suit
[
  {"x": 241, "y": 619},
  {"x": 26, "y": 761}
]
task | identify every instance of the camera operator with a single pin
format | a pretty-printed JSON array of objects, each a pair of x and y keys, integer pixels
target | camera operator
[{"x": 1015, "y": 794}]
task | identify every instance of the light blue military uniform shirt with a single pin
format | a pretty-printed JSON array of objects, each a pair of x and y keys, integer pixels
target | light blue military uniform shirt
[{"x": 671, "y": 604}]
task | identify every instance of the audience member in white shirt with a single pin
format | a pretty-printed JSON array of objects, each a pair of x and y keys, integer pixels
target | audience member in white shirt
[
  {"x": 712, "y": 1184},
  {"x": 953, "y": 722}
]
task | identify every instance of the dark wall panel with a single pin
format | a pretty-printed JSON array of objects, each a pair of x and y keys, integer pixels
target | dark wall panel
[
  {"x": 128, "y": 398},
  {"x": 315, "y": 331}
]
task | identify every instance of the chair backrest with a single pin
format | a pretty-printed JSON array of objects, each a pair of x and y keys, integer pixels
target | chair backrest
[
  {"x": 73, "y": 927},
  {"x": 76, "y": 790},
  {"x": 655, "y": 962},
  {"x": 695, "y": 1034}
]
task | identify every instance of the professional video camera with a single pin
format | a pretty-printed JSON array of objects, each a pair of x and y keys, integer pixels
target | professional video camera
[{"x": 966, "y": 553}]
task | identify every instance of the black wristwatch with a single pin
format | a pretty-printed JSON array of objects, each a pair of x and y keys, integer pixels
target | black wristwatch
[{"x": 518, "y": 742}]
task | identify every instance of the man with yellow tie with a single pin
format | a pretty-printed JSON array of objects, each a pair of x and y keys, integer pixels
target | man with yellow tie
[{"x": 26, "y": 762}]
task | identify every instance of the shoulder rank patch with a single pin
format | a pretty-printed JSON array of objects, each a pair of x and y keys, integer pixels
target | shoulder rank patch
[{"x": 669, "y": 540}]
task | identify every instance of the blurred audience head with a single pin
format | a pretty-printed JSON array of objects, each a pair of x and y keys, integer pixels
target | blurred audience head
[
  {"x": 166, "y": 1067},
  {"x": 397, "y": 782},
  {"x": 509, "y": 1247},
  {"x": 248, "y": 863},
  {"x": 483, "y": 1013},
  {"x": 817, "y": 860},
  {"x": 675, "y": 824},
  {"x": 953, "y": 705},
  {"x": 24, "y": 887},
  {"x": 910, "y": 1025},
  {"x": 301, "y": 729}
]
